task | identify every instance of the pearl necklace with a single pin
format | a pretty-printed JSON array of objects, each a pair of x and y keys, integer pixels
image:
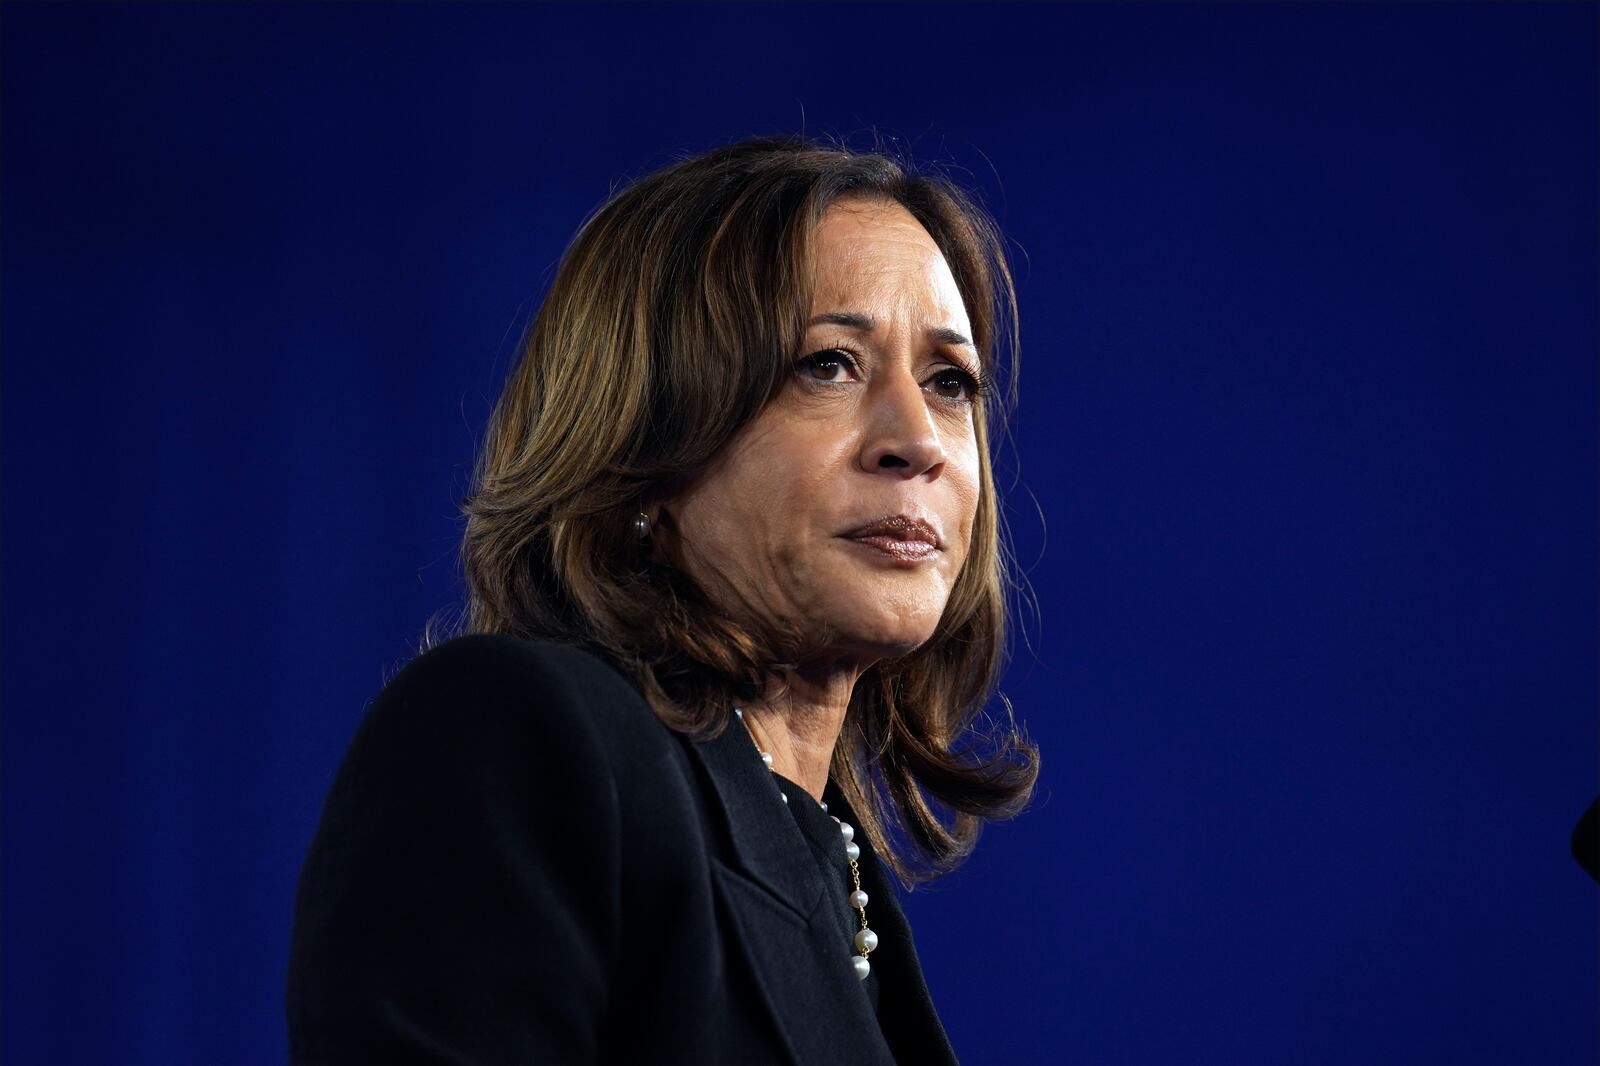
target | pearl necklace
[{"x": 865, "y": 939}]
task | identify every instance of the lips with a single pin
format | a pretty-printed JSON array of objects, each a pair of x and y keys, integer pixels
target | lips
[{"x": 914, "y": 537}]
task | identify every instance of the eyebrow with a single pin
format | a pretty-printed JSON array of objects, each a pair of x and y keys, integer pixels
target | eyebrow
[{"x": 866, "y": 324}]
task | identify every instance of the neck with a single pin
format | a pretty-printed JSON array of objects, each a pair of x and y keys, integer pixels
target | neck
[{"x": 798, "y": 721}]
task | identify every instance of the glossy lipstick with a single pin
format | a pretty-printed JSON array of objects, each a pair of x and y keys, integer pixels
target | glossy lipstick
[{"x": 899, "y": 537}]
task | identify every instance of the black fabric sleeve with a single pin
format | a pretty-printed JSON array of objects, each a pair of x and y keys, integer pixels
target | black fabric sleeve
[{"x": 458, "y": 903}]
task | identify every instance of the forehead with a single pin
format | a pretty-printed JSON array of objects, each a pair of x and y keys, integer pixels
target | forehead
[{"x": 873, "y": 252}]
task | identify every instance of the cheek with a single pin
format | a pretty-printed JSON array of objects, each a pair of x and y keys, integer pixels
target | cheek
[
  {"x": 751, "y": 515},
  {"x": 799, "y": 484},
  {"x": 964, "y": 476},
  {"x": 728, "y": 519}
]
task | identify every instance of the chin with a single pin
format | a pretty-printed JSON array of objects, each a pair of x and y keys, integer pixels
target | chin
[
  {"x": 886, "y": 634},
  {"x": 882, "y": 613}
]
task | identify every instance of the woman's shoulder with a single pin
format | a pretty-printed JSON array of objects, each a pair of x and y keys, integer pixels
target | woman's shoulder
[
  {"x": 496, "y": 663},
  {"x": 495, "y": 696}
]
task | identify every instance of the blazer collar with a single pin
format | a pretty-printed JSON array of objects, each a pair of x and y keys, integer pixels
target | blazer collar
[
  {"x": 771, "y": 849},
  {"x": 811, "y": 993},
  {"x": 768, "y": 844},
  {"x": 906, "y": 1012}
]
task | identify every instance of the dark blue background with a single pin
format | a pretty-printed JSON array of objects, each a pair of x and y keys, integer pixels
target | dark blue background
[{"x": 1308, "y": 407}]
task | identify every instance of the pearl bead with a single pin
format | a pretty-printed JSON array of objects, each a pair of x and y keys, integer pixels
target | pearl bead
[{"x": 865, "y": 940}]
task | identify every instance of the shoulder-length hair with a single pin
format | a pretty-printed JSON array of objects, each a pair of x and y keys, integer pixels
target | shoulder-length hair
[{"x": 675, "y": 316}]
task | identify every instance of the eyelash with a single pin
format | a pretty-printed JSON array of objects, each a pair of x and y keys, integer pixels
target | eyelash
[{"x": 974, "y": 382}]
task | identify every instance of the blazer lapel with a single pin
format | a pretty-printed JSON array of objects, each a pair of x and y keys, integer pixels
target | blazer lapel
[
  {"x": 909, "y": 1021},
  {"x": 775, "y": 901}
]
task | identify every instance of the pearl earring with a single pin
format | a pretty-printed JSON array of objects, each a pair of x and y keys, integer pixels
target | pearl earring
[{"x": 641, "y": 526}]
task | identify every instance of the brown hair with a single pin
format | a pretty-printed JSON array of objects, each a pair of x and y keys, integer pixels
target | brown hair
[{"x": 675, "y": 316}]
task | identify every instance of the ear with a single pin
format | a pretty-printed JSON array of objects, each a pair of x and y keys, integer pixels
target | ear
[
  {"x": 663, "y": 532},
  {"x": 661, "y": 505}
]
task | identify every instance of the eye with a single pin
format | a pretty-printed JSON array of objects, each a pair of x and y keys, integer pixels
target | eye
[
  {"x": 824, "y": 366},
  {"x": 958, "y": 385}
]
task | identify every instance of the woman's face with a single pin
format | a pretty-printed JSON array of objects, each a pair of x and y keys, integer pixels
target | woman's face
[{"x": 875, "y": 426}]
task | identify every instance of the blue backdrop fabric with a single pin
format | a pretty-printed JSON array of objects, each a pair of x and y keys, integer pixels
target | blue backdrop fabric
[{"x": 1303, "y": 478}]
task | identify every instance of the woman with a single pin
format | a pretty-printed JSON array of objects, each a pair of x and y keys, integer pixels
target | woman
[{"x": 736, "y": 595}]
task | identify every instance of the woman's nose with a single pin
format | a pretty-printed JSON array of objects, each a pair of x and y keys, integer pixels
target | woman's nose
[{"x": 901, "y": 438}]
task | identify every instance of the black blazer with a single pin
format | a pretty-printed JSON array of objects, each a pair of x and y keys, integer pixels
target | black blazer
[{"x": 519, "y": 863}]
